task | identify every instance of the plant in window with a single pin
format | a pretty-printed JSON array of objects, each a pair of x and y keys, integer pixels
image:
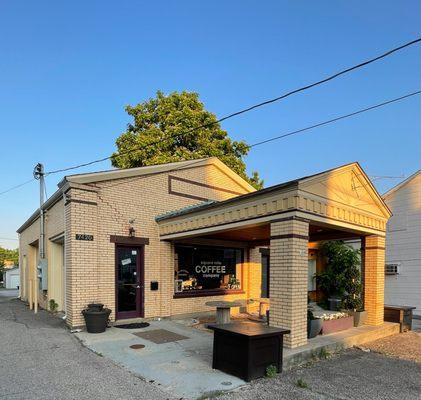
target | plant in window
[{"x": 233, "y": 282}]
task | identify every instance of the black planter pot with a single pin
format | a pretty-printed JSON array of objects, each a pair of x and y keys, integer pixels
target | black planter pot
[
  {"x": 95, "y": 306},
  {"x": 96, "y": 319},
  {"x": 314, "y": 326}
]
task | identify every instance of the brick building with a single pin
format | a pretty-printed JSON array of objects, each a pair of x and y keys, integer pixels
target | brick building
[{"x": 163, "y": 240}]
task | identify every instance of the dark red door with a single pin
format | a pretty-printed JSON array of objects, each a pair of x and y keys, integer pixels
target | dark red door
[{"x": 129, "y": 282}]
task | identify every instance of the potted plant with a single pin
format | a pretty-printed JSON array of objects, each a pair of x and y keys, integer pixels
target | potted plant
[
  {"x": 96, "y": 317},
  {"x": 314, "y": 325},
  {"x": 336, "y": 322},
  {"x": 334, "y": 279},
  {"x": 352, "y": 300}
]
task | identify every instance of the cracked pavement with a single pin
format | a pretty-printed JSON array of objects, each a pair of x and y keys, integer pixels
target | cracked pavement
[{"x": 40, "y": 359}]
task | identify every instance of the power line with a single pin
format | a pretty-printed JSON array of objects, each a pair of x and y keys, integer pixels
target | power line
[
  {"x": 376, "y": 177},
  {"x": 258, "y": 105},
  {"x": 330, "y": 121},
  {"x": 16, "y": 187},
  {"x": 336, "y": 119}
]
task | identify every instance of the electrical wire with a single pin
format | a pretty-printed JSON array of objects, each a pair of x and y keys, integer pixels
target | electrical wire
[
  {"x": 335, "y": 119},
  {"x": 245, "y": 110},
  {"x": 330, "y": 121},
  {"x": 16, "y": 187}
]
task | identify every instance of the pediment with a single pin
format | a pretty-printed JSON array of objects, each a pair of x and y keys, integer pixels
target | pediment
[{"x": 349, "y": 187}]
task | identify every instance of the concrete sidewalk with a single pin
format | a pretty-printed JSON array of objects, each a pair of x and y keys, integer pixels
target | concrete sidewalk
[{"x": 183, "y": 368}]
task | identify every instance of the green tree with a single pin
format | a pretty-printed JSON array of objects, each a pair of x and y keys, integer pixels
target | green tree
[
  {"x": 165, "y": 121},
  {"x": 10, "y": 255}
]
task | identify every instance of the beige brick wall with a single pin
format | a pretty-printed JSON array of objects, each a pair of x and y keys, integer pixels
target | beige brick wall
[
  {"x": 104, "y": 209},
  {"x": 54, "y": 225},
  {"x": 91, "y": 265},
  {"x": 374, "y": 260},
  {"x": 288, "y": 279}
]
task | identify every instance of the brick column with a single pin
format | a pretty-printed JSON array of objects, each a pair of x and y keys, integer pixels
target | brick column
[
  {"x": 374, "y": 249},
  {"x": 288, "y": 279},
  {"x": 81, "y": 256}
]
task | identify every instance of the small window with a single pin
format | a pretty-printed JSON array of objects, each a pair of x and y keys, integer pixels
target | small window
[
  {"x": 391, "y": 269},
  {"x": 312, "y": 275},
  {"x": 265, "y": 276}
]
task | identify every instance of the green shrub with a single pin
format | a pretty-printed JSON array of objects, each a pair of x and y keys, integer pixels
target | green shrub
[
  {"x": 271, "y": 371},
  {"x": 301, "y": 383},
  {"x": 53, "y": 305}
]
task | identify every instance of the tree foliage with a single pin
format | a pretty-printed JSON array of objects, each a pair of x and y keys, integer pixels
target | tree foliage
[
  {"x": 167, "y": 119},
  {"x": 342, "y": 276},
  {"x": 8, "y": 255}
]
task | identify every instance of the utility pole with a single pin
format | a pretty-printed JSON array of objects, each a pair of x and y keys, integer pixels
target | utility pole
[{"x": 40, "y": 271}]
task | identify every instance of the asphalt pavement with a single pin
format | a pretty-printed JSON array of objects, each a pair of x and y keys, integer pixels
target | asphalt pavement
[{"x": 40, "y": 359}]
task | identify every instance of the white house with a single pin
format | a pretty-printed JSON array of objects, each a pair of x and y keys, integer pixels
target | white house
[
  {"x": 11, "y": 278},
  {"x": 403, "y": 244}
]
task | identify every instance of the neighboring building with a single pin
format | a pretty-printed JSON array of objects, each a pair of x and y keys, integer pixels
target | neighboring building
[
  {"x": 11, "y": 278},
  {"x": 403, "y": 244},
  {"x": 163, "y": 240}
]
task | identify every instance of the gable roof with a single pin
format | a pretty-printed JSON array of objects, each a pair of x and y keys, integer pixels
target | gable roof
[
  {"x": 101, "y": 176},
  {"x": 282, "y": 187},
  {"x": 401, "y": 184},
  {"x": 92, "y": 177}
]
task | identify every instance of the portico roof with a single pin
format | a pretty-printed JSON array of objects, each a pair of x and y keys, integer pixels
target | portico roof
[{"x": 342, "y": 197}]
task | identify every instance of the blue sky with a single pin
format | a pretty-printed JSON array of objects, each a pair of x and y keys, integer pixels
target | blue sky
[{"x": 68, "y": 69}]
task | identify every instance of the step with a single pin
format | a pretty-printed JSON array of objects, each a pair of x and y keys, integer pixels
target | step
[{"x": 325, "y": 344}]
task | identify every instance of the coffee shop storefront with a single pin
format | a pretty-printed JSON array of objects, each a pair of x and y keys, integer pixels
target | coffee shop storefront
[
  {"x": 265, "y": 244},
  {"x": 162, "y": 241}
]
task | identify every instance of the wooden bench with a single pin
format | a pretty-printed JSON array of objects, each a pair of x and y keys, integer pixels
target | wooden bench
[{"x": 399, "y": 314}]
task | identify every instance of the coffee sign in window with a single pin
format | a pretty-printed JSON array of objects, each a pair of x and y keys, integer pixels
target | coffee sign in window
[
  {"x": 211, "y": 269},
  {"x": 207, "y": 268}
]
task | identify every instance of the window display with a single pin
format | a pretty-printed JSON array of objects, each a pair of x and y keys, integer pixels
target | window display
[{"x": 207, "y": 268}]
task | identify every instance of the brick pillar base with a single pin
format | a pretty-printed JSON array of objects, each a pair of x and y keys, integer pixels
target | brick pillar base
[
  {"x": 374, "y": 259},
  {"x": 288, "y": 279}
]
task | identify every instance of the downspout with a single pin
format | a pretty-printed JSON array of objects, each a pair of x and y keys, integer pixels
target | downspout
[{"x": 64, "y": 260}]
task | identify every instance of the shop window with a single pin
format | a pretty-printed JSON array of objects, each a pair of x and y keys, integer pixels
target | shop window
[
  {"x": 311, "y": 274},
  {"x": 265, "y": 275},
  {"x": 200, "y": 269}
]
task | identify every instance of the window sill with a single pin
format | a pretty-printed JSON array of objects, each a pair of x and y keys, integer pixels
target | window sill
[{"x": 207, "y": 293}]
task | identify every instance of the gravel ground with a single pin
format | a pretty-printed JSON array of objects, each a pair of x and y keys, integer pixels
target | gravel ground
[
  {"x": 406, "y": 346},
  {"x": 354, "y": 374},
  {"x": 40, "y": 359}
]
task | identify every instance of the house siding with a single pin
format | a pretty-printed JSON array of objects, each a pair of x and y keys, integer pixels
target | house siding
[{"x": 403, "y": 245}]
